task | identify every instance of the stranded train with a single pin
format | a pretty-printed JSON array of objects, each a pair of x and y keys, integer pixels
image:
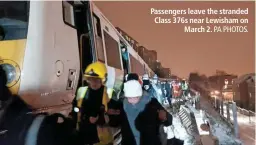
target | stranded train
[{"x": 46, "y": 45}]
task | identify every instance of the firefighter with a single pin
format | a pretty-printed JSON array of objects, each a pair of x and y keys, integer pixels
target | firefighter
[{"x": 90, "y": 107}]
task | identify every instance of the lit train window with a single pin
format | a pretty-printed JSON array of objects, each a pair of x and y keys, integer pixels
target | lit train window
[
  {"x": 68, "y": 13},
  {"x": 112, "y": 51}
]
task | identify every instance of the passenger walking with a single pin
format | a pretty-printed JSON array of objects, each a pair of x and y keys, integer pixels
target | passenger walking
[
  {"x": 184, "y": 87},
  {"x": 141, "y": 117},
  {"x": 159, "y": 94},
  {"x": 91, "y": 105},
  {"x": 147, "y": 86},
  {"x": 168, "y": 94}
]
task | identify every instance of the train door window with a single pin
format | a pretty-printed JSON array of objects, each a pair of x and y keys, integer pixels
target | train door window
[
  {"x": 125, "y": 56},
  {"x": 68, "y": 13},
  {"x": 83, "y": 27},
  {"x": 112, "y": 51},
  {"x": 98, "y": 36}
]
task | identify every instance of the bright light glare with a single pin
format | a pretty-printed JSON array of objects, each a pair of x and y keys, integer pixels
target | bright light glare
[{"x": 216, "y": 92}]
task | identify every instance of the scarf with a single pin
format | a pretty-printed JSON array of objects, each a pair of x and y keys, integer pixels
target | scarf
[{"x": 132, "y": 111}]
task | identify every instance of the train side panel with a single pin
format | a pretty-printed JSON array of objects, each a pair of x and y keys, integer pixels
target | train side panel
[
  {"x": 111, "y": 44},
  {"x": 51, "y": 57}
]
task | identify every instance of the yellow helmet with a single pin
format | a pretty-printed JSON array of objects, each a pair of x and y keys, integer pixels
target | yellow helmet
[{"x": 96, "y": 70}]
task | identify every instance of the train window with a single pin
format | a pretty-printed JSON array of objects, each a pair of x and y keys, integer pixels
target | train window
[
  {"x": 136, "y": 66},
  {"x": 96, "y": 21},
  {"x": 99, "y": 43},
  {"x": 14, "y": 16},
  {"x": 68, "y": 14},
  {"x": 112, "y": 50}
]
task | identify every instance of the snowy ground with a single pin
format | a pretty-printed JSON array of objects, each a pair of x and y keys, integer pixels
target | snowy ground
[
  {"x": 218, "y": 127},
  {"x": 223, "y": 132},
  {"x": 180, "y": 131},
  {"x": 246, "y": 127}
]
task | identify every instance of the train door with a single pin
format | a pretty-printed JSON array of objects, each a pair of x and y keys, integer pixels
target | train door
[
  {"x": 85, "y": 35},
  {"x": 125, "y": 57}
]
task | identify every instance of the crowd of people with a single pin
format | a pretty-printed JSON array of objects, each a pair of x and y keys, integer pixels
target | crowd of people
[{"x": 138, "y": 112}]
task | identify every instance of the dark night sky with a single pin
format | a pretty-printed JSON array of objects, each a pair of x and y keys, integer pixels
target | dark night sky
[{"x": 186, "y": 52}]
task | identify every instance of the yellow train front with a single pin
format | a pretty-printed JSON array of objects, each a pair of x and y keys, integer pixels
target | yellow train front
[
  {"x": 36, "y": 53},
  {"x": 13, "y": 36}
]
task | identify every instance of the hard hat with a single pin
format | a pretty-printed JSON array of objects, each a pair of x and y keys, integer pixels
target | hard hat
[
  {"x": 145, "y": 77},
  {"x": 96, "y": 70}
]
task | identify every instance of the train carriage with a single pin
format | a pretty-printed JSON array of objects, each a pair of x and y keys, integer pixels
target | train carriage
[{"x": 46, "y": 45}]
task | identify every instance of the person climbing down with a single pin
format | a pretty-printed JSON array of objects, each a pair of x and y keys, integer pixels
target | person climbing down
[
  {"x": 125, "y": 57},
  {"x": 141, "y": 116},
  {"x": 90, "y": 106}
]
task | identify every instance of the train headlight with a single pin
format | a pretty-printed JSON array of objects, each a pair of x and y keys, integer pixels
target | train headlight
[{"x": 10, "y": 72}]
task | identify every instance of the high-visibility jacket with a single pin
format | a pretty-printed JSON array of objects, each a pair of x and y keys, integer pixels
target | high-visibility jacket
[
  {"x": 82, "y": 94},
  {"x": 104, "y": 134}
]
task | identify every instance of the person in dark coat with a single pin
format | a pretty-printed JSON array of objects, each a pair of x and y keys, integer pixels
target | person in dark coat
[
  {"x": 168, "y": 94},
  {"x": 16, "y": 121},
  {"x": 90, "y": 105},
  {"x": 146, "y": 86},
  {"x": 133, "y": 76},
  {"x": 13, "y": 110},
  {"x": 141, "y": 117}
]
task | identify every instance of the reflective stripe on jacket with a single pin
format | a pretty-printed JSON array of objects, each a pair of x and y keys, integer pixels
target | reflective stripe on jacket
[{"x": 82, "y": 94}]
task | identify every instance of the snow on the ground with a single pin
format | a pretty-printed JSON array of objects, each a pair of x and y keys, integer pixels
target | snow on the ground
[
  {"x": 222, "y": 132},
  {"x": 180, "y": 131},
  {"x": 218, "y": 127}
]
